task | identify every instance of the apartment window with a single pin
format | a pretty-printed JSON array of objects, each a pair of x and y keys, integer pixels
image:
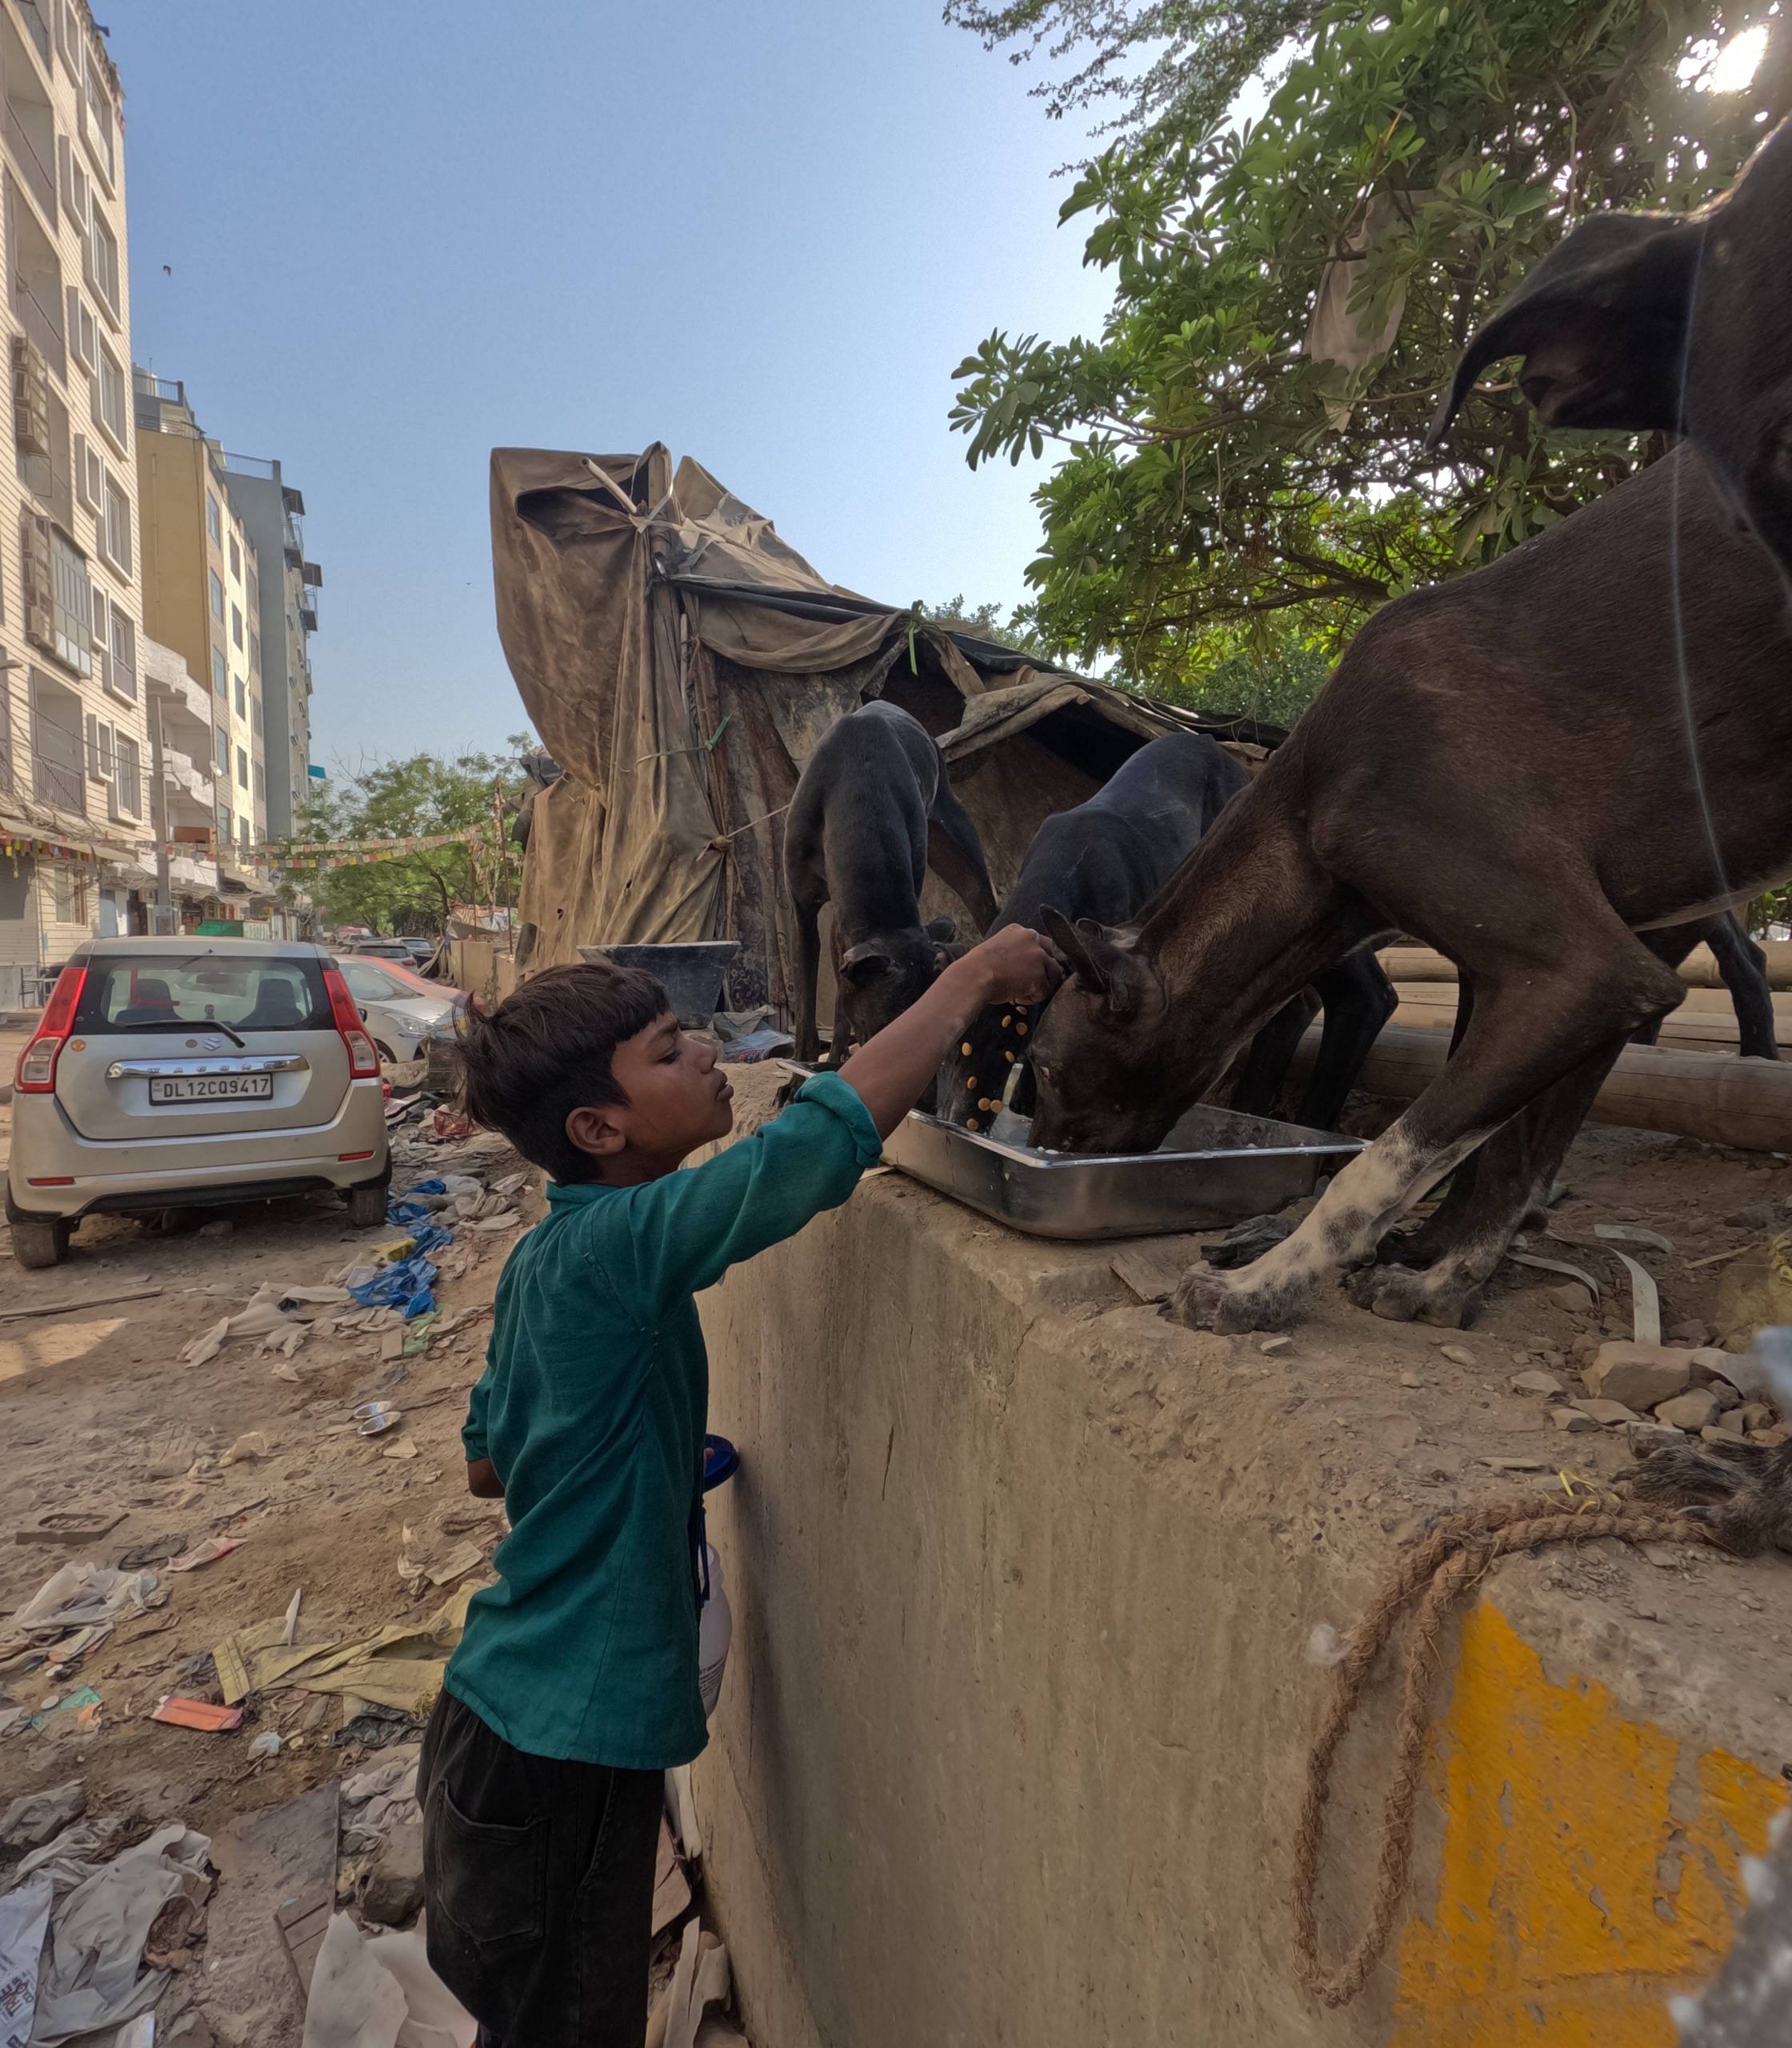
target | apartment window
[
  {"x": 254, "y": 652},
  {"x": 217, "y": 596},
  {"x": 242, "y": 770},
  {"x": 102, "y": 258},
  {"x": 236, "y": 560},
  {"x": 220, "y": 681},
  {"x": 214, "y": 525},
  {"x": 126, "y": 778},
  {"x": 242, "y": 700},
  {"x": 68, "y": 894},
  {"x": 99, "y": 750},
  {"x": 74, "y": 606},
  {"x": 255, "y": 715},
  {"x": 227, "y": 828},
  {"x": 254, "y": 588},
  {"x": 109, "y": 394},
  {"x": 96, "y": 121},
  {"x": 260, "y": 783},
  {"x": 102, "y": 269},
  {"x": 122, "y": 658},
  {"x": 243, "y": 833},
  {"x": 236, "y": 620},
  {"x": 223, "y": 740},
  {"x": 114, "y": 527}
]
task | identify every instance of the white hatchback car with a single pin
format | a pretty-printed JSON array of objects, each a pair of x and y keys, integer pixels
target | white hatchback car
[
  {"x": 400, "y": 1009},
  {"x": 173, "y": 1072}
]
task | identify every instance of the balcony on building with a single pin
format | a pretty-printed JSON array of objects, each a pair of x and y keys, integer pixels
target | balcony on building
[
  {"x": 27, "y": 121},
  {"x": 37, "y": 27},
  {"x": 59, "y": 776},
  {"x": 160, "y": 405}
]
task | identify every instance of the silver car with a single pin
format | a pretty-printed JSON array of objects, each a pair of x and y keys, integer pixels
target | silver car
[
  {"x": 169, "y": 1072},
  {"x": 399, "y": 1008}
]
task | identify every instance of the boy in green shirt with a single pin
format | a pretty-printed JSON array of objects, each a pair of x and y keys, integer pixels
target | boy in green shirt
[{"x": 575, "y": 1684}]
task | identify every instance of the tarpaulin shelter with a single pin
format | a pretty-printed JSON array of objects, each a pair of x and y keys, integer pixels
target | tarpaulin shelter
[{"x": 680, "y": 661}]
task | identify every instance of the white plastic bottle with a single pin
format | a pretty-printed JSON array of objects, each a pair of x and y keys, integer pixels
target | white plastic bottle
[{"x": 715, "y": 1629}]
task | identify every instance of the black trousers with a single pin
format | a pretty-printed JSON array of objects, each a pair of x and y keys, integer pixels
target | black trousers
[{"x": 539, "y": 1883}]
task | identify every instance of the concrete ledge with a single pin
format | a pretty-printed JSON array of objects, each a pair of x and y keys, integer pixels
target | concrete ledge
[{"x": 1018, "y": 1710}]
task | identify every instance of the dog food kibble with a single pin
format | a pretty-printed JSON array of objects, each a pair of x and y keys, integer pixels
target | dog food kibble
[
  {"x": 971, "y": 1083},
  {"x": 1007, "y": 1021},
  {"x": 1020, "y": 1029},
  {"x": 1009, "y": 1057},
  {"x": 971, "y": 1123},
  {"x": 965, "y": 1048}
]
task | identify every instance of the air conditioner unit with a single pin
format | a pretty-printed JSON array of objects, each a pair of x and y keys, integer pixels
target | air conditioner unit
[{"x": 30, "y": 397}]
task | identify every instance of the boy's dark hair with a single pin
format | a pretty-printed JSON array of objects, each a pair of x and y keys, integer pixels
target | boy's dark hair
[{"x": 546, "y": 1050}]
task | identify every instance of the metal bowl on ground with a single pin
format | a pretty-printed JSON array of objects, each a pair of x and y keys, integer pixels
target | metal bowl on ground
[{"x": 690, "y": 972}]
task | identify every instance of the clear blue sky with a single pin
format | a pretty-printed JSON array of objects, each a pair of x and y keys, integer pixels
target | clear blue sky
[{"x": 402, "y": 232}]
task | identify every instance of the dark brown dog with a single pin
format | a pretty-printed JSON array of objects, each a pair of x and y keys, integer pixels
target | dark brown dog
[{"x": 1501, "y": 767}]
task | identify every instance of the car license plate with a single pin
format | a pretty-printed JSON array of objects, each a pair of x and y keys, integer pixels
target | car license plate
[{"x": 214, "y": 1088}]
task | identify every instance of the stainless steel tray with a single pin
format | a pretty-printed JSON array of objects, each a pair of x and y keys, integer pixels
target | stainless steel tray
[{"x": 1215, "y": 1168}]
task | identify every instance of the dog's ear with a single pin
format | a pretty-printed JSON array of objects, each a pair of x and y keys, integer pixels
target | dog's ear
[
  {"x": 864, "y": 964},
  {"x": 953, "y": 950},
  {"x": 1102, "y": 959},
  {"x": 943, "y": 931},
  {"x": 1600, "y": 324}
]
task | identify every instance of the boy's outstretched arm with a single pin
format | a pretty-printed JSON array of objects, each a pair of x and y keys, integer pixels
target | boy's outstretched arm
[
  {"x": 890, "y": 1074},
  {"x": 679, "y": 1235}
]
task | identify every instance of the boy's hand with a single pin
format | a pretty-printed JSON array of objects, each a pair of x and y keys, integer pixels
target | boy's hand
[{"x": 1017, "y": 964}]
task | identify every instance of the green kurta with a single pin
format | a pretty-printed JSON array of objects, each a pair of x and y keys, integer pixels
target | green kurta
[{"x": 592, "y": 1409}]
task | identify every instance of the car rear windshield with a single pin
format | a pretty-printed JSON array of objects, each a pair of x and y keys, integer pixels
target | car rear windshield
[{"x": 168, "y": 992}]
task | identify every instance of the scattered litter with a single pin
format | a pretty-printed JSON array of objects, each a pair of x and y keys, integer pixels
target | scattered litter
[
  {"x": 24, "y": 1923},
  {"x": 1632, "y": 1234},
  {"x": 447, "y": 1124},
  {"x": 273, "y": 1310},
  {"x": 1557, "y": 1265},
  {"x": 1516, "y": 1464},
  {"x": 82, "y": 1707},
  {"x": 100, "y": 1927},
  {"x": 700, "y": 1979},
  {"x": 66, "y": 1525},
  {"x": 158, "y": 1550},
  {"x": 251, "y": 1445},
  {"x": 443, "y": 1569},
  {"x": 405, "y": 1447},
  {"x": 372, "y": 1991},
  {"x": 206, "y": 1553},
  {"x": 30, "y": 1822},
  {"x": 1645, "y": 1303},
  {"x": 291, "y": 1628},
  {"x": 404, "y": 1286},
  {"x": 266, "y": 1744},
  {"x": 178, "y": 1711},
  {"x": 1324, "y": 1645},
  {"x": 398, "y": 1666},
  {"x": 79, "y": 1595}
]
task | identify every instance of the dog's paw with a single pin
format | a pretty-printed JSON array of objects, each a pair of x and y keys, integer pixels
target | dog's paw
[
  {"x": 1399, "y": 1294},
  {"x": 1207, "y": 1300}
]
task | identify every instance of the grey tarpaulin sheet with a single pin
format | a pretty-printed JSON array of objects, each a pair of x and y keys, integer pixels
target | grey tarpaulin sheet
[{"x": 679, "y": 660}]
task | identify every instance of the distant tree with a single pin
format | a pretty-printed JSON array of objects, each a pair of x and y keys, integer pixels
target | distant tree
[
  {"x": 1017, "y": 628},
  {"x": 416, "y": 797},
  {"x": 1239, "y": 478}
]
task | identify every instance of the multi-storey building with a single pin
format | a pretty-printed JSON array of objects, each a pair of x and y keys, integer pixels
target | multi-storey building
[
  {"x": 271, "y": 510},
  {"x": 75, "y": 849},
  {"x": 202, "y": 598}
]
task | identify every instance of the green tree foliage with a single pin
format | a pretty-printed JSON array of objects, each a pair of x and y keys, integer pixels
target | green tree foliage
[
  {"x": 1227, "y": 494},
  {"x": 1017, "y": 628},
  {"x": 424, "y": 794}
]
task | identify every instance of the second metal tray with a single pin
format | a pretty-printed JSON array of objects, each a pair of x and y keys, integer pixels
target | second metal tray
[{"x": 1215, "y": 1167}]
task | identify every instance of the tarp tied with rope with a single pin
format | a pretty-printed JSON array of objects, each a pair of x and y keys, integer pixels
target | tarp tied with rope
[{"x": 680, "y": 661}]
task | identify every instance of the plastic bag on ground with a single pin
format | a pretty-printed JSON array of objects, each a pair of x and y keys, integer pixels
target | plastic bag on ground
[
  {"x": 79, "y": 1595},
  {"x": 380, "y": 1992},
  {"x": 97, "y": 1931},
  {"x": 24, "y": 1921}
]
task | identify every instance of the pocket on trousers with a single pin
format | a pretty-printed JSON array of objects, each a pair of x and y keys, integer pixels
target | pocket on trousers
[{"x": 489, "y": 1882}]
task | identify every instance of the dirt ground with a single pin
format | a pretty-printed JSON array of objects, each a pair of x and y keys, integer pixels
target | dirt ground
[{"x": 97, "y": 1413}]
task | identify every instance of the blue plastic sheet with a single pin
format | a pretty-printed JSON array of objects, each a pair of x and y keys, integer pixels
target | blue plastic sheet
[{"x": 405, "y": 1285}]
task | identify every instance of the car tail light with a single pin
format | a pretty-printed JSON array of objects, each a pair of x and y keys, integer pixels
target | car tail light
[
  {"x": 36, "y": 1073},
  {"x": 363, "y": 1060}
]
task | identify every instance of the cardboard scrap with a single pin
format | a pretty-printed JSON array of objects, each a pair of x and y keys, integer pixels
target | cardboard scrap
[
  {"x": 400, "y": 1665},
  {"x": 180, "y": 1712}
]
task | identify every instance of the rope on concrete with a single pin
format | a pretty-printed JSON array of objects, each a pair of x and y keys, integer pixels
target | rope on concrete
[{"x": 1434, "y": 1573}]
